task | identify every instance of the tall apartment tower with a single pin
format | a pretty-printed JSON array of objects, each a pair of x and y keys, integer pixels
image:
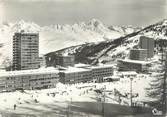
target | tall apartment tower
[
  {"x": 147, "y": 43},
  {"x": 25, "y": 51}
]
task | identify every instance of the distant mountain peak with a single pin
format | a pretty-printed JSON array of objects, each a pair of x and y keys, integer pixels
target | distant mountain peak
[
  {"x": 26, "y": 26},
  {"x": 95, "y": 22},
  {"x": 5, "y": 23},
  {"x": 164, "y": 22}
]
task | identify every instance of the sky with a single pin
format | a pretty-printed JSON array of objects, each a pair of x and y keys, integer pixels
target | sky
[{"x": 110, "y": 12}]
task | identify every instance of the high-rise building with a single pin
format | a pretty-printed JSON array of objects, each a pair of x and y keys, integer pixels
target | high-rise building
[
  {"x": 25, "y": 51},
  {"x": 147, "y": 43},
  {"x": 138, "y": 54}
]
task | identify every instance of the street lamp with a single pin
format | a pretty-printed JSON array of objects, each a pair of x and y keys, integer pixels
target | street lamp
[
  {"x": 131, "y": 79},
  {"x": 103, "y": 103}
]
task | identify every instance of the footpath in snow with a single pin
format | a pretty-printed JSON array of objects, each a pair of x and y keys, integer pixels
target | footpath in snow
[{"x": 57, "y": 99}]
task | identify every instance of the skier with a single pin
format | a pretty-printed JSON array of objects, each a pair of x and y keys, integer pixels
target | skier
[{"x": 14, "y": 106}]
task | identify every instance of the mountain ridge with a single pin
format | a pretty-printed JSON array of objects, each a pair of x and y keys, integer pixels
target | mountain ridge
[
  {"x": 55, "y": 37},
  {"x": 109, "y": 51}
]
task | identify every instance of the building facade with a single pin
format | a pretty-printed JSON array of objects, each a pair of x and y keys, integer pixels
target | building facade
[
  {"x": 85, "y": 74},
  {"x": 75, "y": 75},
  {"x": 147, "y": 43},
  {"x": 132, "y": 65},
  {"x": 65, "y": 60},
  {"x": 42, "y": 61},
  {"x": 100, "y": 72},
  {"x": 48, "y": 77},
  {"x": 25, "y": 51},
  {"x": 60, "y": 60},
  {"x": 28, "y": 79},
  {"x": 138, "y": 54}
]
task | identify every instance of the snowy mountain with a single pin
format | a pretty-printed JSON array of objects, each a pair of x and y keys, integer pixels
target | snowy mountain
[
  {"x": 57, "y": 36},
  {"x": 110, "y": 50},
  {"x": 125, "y": 29}
]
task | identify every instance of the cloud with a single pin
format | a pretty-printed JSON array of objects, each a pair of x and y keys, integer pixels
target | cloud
[
  {"x": 45, "y": 0},
  {"x": 1, "y": 12}
]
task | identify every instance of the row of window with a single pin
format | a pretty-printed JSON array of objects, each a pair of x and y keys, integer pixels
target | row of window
[{"x": 42, "y": 79}]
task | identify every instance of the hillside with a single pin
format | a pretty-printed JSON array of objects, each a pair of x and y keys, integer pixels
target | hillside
[
  {"x": 110, "y": 50},
  {"x": 57, "y": 36}
]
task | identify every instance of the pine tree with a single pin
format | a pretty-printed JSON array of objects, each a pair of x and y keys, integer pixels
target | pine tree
[
  {"x": 156, "y": 85},
  {"x": 157, "y": 88}
]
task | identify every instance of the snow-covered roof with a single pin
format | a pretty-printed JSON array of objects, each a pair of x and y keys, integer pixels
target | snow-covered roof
[
  {"x": 139, "y": 49},
  {"x": 135, "y": 61},
  {"x": 101, "y": 66},
  {"x": 83, "y": 68},
  {"x": 112, "y": 77},
  {"x": 82, "y": 65},
  {"x": 128, "y": 73},
  {"x": 29, "y": 72},
  {"x": 23, "y": 32},
  {"x": 75, "y": 69}
]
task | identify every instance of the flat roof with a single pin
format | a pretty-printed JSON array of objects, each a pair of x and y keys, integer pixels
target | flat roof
[
  {"x": 26, "y": 32},
  {"x": 101, "y": 66},
  {"x": 139, "y": 49},
  {"x": 29, "y": 72},
  {"x": 82, "y": 65},
  {"x": 64, "y": 55},
  {"x": 74, "y": 70},
  {"x": 128, "y": 73},
  {"x": 50, "y": 70},
  {"x": 134, "y": 61},
  {"x": 83, "y": 68}
]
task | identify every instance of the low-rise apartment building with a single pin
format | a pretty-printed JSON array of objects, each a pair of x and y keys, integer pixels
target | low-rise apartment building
[
  {"x": 85, "y": 74},
  {"x": 100, "y": 72},
  {"x": 133, "y": 65},
  {"x": 48, "y": 77},
  {"x": 138, "y": 54},
  {"x": 60, "y": 60},
  {"x": 73, "y": 75},
  {"x": 28, "y": 79}
]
